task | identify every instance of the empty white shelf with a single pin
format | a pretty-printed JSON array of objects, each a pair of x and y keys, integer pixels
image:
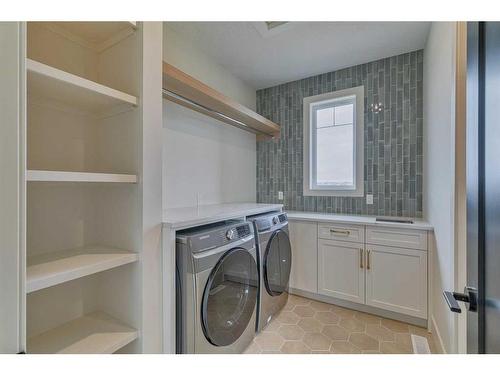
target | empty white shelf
[
  {"x": 50, "y": 83},
  {"x": 95, "y": 333},
  {"x": 63, "y": 176},
  {"x": 47, "y": 270}
]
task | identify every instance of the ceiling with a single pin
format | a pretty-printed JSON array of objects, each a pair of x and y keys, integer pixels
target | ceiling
[{"x": 295, "y": 50}]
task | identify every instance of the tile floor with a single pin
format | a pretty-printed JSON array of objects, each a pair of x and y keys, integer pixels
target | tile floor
[{"x": 307, "y": 326}]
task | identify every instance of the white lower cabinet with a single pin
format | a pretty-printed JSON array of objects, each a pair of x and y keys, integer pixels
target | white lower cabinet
[
  {"x": 396, "y": 279},
  {"x": 304, "y": 241},
  {"x": 377, "y": 266},
  {"x": 341, "y": 272}
]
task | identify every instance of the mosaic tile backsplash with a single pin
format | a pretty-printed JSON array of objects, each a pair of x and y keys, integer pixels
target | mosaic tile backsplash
[{"x": 393, "y": 139}]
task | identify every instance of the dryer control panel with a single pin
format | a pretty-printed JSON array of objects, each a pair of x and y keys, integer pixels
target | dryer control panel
[{"x": 214, "y": 235}]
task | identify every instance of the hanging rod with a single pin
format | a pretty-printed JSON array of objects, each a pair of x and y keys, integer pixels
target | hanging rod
[{"x": 176, "y": 98}]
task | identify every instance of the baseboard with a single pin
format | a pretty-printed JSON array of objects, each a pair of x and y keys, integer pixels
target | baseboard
[{"x": 437, "y": 335}]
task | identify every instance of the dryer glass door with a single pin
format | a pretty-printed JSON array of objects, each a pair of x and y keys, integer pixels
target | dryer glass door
[
  {"x": 230, "y": 297},
  {"x": 277, "y": 263}
]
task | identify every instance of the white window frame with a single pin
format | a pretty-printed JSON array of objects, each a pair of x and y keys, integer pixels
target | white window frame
[{"x": 309, "y": 167}]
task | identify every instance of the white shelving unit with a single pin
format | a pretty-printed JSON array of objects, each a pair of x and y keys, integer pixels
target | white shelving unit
[
  {"x": 51, "y": 269},
  {"x": 51, "y": 83},
  {"x": 95, "y": 333},
  {"x": 83, "y": 82},
  {"x": 62, "y": 176}
]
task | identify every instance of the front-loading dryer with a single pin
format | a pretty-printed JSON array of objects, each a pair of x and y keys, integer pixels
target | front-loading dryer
[
  {"x": 275, "y": 262},
  {"x": 217, "y": 288}
]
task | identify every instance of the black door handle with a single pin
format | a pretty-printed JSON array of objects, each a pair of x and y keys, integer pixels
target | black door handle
[
  {"x": 452, "y": 302},
  {"x": 469, "y": 296}
]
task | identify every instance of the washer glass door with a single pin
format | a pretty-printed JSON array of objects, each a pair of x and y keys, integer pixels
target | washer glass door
[
  {"x": 230, "y": 297},
  {"x": 277, "y": 263}
]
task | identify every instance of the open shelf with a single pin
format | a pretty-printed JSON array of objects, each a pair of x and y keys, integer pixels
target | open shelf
[
  {"x": 95, "y": 333},
  {"x": 50, "y": 83},
  {"x": 62, "y": 176},
  {"x": 47, "y": 270},
  {"x": 185, "y": 90}
]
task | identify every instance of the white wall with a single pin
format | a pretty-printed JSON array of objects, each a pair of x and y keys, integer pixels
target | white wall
[
  {"x": 205, "y": 160},
  {"x": 439, "y": 169}
]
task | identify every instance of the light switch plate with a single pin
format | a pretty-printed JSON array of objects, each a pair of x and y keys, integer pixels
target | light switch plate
[
  {"x": 369, "y": 198},
  {"x": 280, "y": 195}
]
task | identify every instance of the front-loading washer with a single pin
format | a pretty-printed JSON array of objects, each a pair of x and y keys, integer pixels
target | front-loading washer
[
  {"x": 275, "y": 262},
  {"x": 217, "y": 288}
]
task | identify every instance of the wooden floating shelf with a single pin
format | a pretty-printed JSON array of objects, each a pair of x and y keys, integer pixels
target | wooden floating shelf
[
  {"x": 62, "y": 176},
  {"x": 196, "y": 95},
  {"x": 95, "y": 333},
  {"x": 50, "y": 83},
  {"x": 51, "y": 269}
]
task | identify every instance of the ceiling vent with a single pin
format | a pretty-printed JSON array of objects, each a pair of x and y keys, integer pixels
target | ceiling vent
[
  {"x": 269, "y": 28},
  {"x": 273, "y": 24}
]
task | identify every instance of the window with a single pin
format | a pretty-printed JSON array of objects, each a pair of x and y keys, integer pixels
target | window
[{"x": 333, "y": 143}]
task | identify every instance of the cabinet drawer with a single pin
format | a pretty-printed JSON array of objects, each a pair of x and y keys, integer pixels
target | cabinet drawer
[
  {"x": 350, "y": 233},
  {"x": 407, "y": 238}
]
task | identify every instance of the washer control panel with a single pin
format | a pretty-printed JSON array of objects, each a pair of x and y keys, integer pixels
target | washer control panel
[{"x": 267, "y": 222}]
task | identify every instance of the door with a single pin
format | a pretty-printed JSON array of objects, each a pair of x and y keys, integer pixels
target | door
[
  {"x": 483, "y": 185},
  {"x": 277, "y": 263},
  {"x": 341, "y": 272},
  {"x": 230, "y": 297},
  {"x": 480, "y": 299},
  {"x": 396, "y": 279},
  {"x": 304, "y": 242}
]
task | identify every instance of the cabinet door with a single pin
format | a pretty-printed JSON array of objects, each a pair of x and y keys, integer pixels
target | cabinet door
[
  {"x": 396, "y": 279},
  {"x": 304, "y": 242},
  {"x": 341, "y": 272}
]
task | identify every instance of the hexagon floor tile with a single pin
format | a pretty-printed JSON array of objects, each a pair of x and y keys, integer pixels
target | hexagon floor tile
[{"x": 306, "y": 326}]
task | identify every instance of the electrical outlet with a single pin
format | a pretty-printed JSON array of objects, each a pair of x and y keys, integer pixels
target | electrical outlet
[
  {"x": 280, "y": 195},
  {"x": 369, "y": 198}
]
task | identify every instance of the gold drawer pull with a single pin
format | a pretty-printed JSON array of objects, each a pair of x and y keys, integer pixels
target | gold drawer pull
[
  {"x": 360, "y": 258},
  {"x": 368, "y": 260},
  {"x": 343, "y": 232}
]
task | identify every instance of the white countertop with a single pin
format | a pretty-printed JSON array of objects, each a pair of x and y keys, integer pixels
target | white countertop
[
  {"x": 356, "y": 219},
  {"x": 186, "y": 217}
]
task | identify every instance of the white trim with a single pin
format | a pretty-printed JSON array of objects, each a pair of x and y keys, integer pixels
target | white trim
[
  {"x": 168, "y": 288},
  {"x": 439, "y": 342},
  {"x": 23, "y": 104},
  {"x": 460, "y": 179},
  {"x": 358, "y": 92}
]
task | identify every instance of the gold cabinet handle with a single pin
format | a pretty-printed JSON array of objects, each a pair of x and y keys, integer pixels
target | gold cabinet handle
[
  {"x": 368, "y": 260},
  {"x": 343, "y": 232},
  {"x": 361, "y": 258}
]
